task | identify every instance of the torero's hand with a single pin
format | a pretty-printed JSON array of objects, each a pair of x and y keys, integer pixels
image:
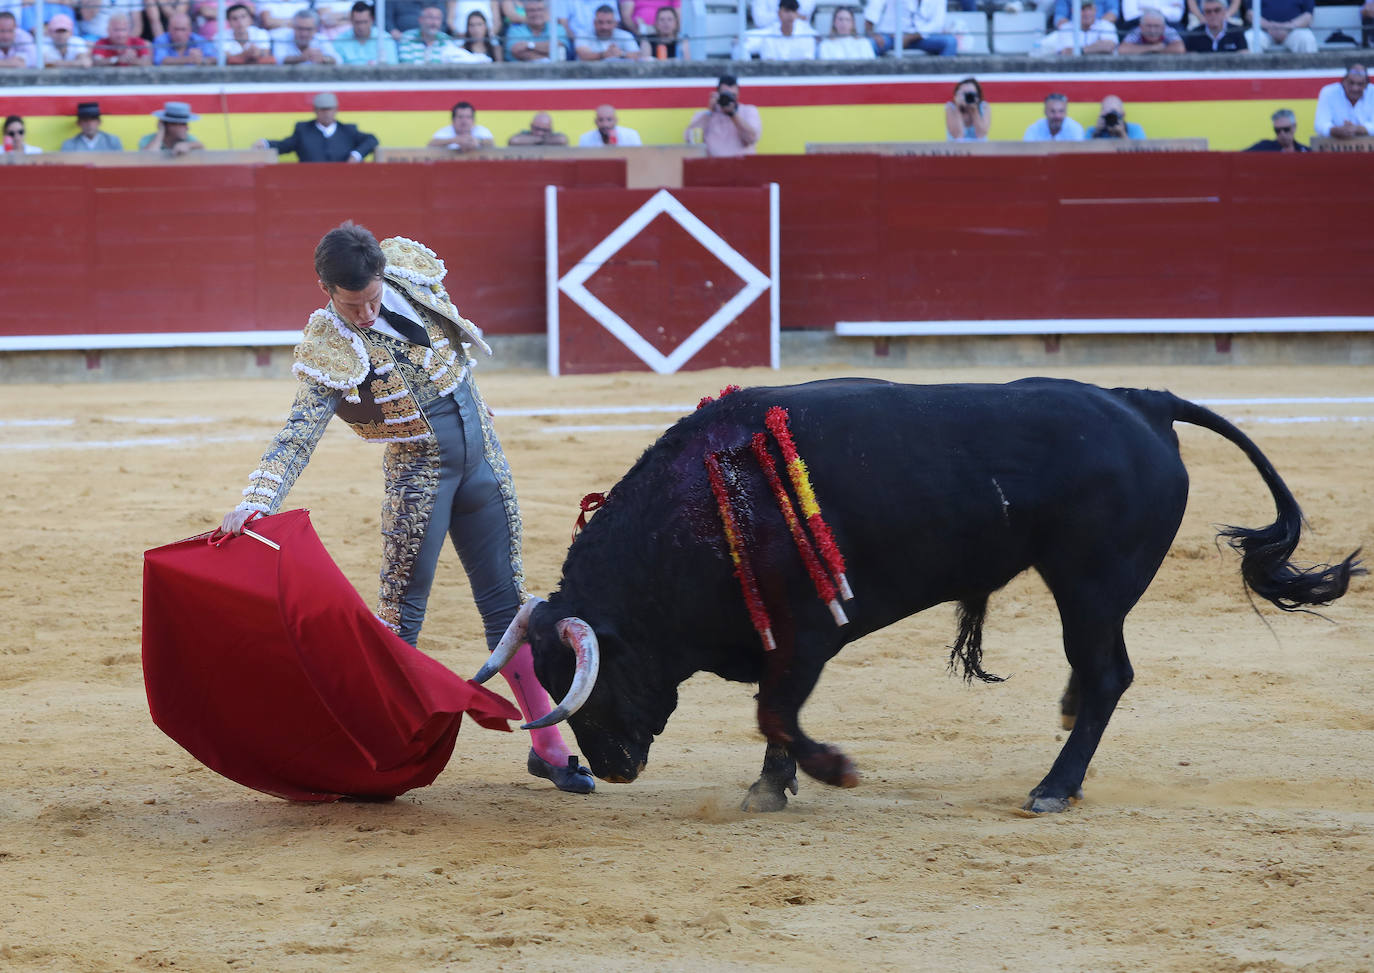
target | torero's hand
[{"x": 235, "y": 520}]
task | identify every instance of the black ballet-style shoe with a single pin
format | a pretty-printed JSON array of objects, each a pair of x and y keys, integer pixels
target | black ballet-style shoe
[{"x": 574, "y": 778}]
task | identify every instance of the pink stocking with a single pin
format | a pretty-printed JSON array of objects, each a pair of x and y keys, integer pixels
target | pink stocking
[{"x": 534, "y": 702}]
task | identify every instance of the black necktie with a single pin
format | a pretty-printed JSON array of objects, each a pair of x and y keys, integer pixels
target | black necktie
[{"x": 406, "y": 328}]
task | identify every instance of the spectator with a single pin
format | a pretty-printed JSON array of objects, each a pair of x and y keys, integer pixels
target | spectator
[
  {"x": 157, "y": 17},
  {"x": 364, "y": 44},
  {"x": 180, "y": 45},
  {"x": 1285, "y": 135},
  {"x": 306, "y": 45},
  {"x": 15, "y": 131},
  {"x": 1285, "y": 24},
  {"x": 427, "y": 43},
  {"x": 463, "y": 133},
  {"x": 512, "y": 12},
  {"x": 1108, "y": 10},
  {"x": 788, "y": 38},
  {"x": 62, "y": 48},
  {"x": 325, "y": 139},
  {"x": 1056, "y": 126},
  {"x": 26, "y": 14},
  {"x": 1195, "y": 17},
  {"x": 404, "y": 15},
  {"x": 91, "y": 139},
  {"x": 16, "y": 44},
  {"x": 1214, "y": 34},
  {"x": 641, "y": 16},
  {"x": 538, "y": 38},
  {"x": 173, "y": 136},
  {"x": 920, "y": 22},
  {"x": 844, "y": 44},
  {"x": 578, "y": 17},
  {"x": 967, "y": 116},
  {"x": 246, "y": 43},
  {"x": 1345, "y": 109},
  {"x": 274, "y": 16},
  {"x": 92, "y": 18},
  {"x": 540, "y": 132},
  {"x": 1132, "y": 10},
  {"x": 726, "y": 127},
  {"x": 667, "y": 42},
  {"x": 608, "y": 131},
  {"x": 121, "y": 48},
  {"x": 1152, "y": 36},
  {"x": 1112, "y": 124},
  {"x": 608, "y": 42},
  {"x": 478, "y": 39},
  {"x": 765, "y": 12},
  {"x": 1094, "y": 36}
]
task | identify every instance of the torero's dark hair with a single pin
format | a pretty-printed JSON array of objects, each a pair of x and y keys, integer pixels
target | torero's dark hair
[{"x": 349, "y": 256}]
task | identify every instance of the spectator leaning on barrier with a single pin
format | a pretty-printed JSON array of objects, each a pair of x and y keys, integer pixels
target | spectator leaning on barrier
[
  {"x": 1094, "y": 36},
  {"x": 1108, "y": 10},
  {"x": 667, "y": 42},
  {"x": 607, "y": 41},
  {"x": 1345, "y": 109},
  {"x": 1285, "y": 135},
  {"x": 608, "y": 131},
  {"x": 62, "y": 48},
  {"x": 462, "y": 133},
  {"x": 920, "y": 22},
  {"x": 1112, "y": 124},
  {"x": 538, "y": 38},
  {"x": 16, "y": 44},
  {"x": 364, "y": 44},
  {"x": 1286, "y": 24},
  {"x": 540, "y": 132},
  {"x": 968, "y": 118},
  {"x": 843, "y": 44},
  {"x": 1214, "y": 34},
  {"x": 91, "y": 139},
  {"x": 1056, "y": 126},
  {"x": 120, "y": 48},
  {"x": 181, "y": 45},
  {"x": 16, "y": 134},
  {"x": 325, "y": 138},
  {"x": 246, "y": 43},
  {"x": 726, "y": 127},
  {"x": 173, "y": 135},
  {"x": 306, "y": 44},
  {"x": 1152, "y": 36},
  {"x": 427, "y": 43},
  {"x": 790, "y": 38}
]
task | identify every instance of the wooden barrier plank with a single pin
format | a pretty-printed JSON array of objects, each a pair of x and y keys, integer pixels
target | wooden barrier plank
[{"x": 1087, "y": 146}]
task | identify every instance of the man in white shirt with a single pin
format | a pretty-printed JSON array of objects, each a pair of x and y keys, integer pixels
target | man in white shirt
[
  {"x": 608, "y": 131},
  {"x": 305, "y": 45},
  {"x": 246, "y": 43},
  {"x": 765, "y": 12},
  {"x": 789, "y": 39},
  {"x": 62, "y": 48},
  {"x": 1094, "y": 36},
  {"x": 17, "y": 49},
  {"x": 1345, "y": 108},
  {"x": 607, "y": 41},
  {"x": 1056, "y": 126},
  {"x": 462, "y": 133},
  {"x": 920, "y": 21}
]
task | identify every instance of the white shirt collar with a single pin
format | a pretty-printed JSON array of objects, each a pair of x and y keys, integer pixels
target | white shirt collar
[{"x": 327, "y": 132}]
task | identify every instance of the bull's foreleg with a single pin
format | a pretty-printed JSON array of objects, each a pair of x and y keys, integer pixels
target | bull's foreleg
[{"x": 779, "y": 775}]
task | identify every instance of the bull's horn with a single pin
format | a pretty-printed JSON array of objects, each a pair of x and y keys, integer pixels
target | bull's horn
[
  {"x": 510, "y": 642},
  {"x": 578, "y": 636}
]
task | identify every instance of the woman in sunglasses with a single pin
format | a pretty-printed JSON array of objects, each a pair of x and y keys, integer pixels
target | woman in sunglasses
[{"x": 14, "y": 137}]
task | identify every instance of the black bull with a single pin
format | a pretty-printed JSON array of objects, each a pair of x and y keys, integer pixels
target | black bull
[{"x": 934, "y": 494}]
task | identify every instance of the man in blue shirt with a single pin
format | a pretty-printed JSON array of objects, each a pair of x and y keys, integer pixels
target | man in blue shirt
[
  {"x": 538, "y": 38},
  {"x": 1287, "y": 24},
  {"x": 1112, "y": 124},
  {"x": 180, "y": 45},
  {"x": 1108, "y": 10}
]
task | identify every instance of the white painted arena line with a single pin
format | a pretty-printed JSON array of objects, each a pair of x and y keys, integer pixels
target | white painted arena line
[
  {"x": 606, "y": 428},
  {"x": 597, "y": 410},
  {"x": 134, "y": 443}
]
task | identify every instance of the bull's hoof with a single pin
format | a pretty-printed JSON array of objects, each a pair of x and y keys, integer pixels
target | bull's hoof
[
  {"x": 767, "y": 795},
  {"x": 1067, "y": 720},
  {"x": 1038, "y": 804},
  {"x": 830, "y": 766}
]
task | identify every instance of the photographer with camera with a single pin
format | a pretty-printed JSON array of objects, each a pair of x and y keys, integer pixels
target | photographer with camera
[
  {"x": 726, "y": 127},
  {"x": 1112, "y": 124},
  {"x": 967, "y": 116}
]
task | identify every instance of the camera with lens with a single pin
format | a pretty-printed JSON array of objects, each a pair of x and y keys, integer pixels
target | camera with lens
[
  {"x": 970, "y": 97},
  {"x": 1112, "y": 119},
  {"x": 725, "y": 99}
]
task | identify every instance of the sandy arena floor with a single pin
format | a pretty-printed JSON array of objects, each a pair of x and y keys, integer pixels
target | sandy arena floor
[{"x": 1228, "y": 823}]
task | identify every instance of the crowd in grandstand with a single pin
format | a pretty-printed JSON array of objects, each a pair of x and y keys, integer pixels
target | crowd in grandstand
[{"x": 119, "y": 33}]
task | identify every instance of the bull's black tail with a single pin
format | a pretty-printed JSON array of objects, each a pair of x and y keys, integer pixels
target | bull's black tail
[{"x": 1266, "y": 551}]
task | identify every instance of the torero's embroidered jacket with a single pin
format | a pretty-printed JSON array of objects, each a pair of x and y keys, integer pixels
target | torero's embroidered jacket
[{"x": 378, "y": 384}]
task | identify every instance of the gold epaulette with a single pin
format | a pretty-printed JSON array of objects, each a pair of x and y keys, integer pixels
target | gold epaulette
[{"x": 331, "y": 354}]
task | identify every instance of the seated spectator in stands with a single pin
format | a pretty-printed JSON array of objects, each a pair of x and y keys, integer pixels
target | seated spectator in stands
[
  {"x": 667, "y": 42},
  {"x": 577, "y": 17},
  {"x": 17, "y": 49},
  {"x": 15, "y": 132},
  {"x": 479, "y": 41},
  {"x": 764, "y": 13},
  {"x": 121, "y": 48},
  {"x": 1108, "y": 10},
  {"x": 540, "y": 131},
  {"x": 427, "y": 43},
  {"x": 608, "y": 42},
  {"x": 1152, "y": 36},
  {"x": 843, "y": 44},
  {"x": 462, "y": 132},
  {"x": 274, "y": 16},
  {"x": 364, "y": 44},
  {"x": 26, "y": 14},
  {"x": 920, "y": 22},
  {"x": 306, "y": 45},
  {"x": 641, "y": 16},
  {"x": 1214, "y": 35},
  {"x": 512, "y": 12},
  {"x": 173, "y": 135},
  {"x": 62, "y": 48},
  {"x": 538, "y": 38},
  {"x": 726, "y": 127},
  {"x": 246, "y": 43},
  {"x": 1345, "y": 109},
  {"x": 1056, "y": 126},
  {"x": 1112, "y": 124},
  {"x": 92, "y": 17},
  {"x": 968, "y": 117},
  {"x": 325, "y": 138},
  {"x": 404, "y": 15},
  {"x": 180, "y": 45},
  {"x": 91, "y": 139},
  {"x": 1286, "y": 24},
  {"x": 1195, "y": 18},
  {"x": 1094, "y": 36},
  {"x": 608, "y": 131},
  {"x": 1285, "y": 135},
  {"x": 788, "y": 39}
]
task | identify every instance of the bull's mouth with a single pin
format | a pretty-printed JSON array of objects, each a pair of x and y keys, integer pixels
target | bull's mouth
[{"x": 626, "y": 778}]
